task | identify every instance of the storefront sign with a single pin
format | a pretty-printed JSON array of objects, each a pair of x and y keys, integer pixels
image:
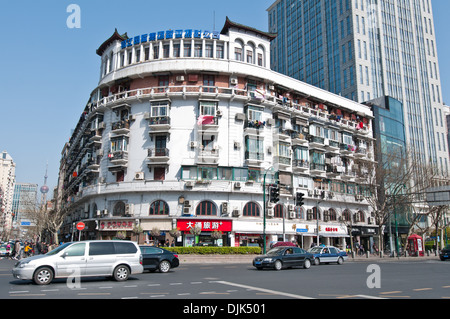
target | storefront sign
[
  {"x": 205, "y": 225},
  {"x": 116, "y": 225},
  {"x": 171, "y": 34}
]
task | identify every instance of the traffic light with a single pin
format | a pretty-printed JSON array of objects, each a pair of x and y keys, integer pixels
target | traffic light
[
  {"x": 299, "y": 200},
  {"x": 274, "y": 193}
]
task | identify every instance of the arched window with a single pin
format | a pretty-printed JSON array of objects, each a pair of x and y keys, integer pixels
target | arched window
[
  {"x": 330, "y": 215},
  {"x": 299, "y": 212},
  {"x": 119, "y": 209},
  {"x": 346, "y": 215},
  {"x": 278, "y": 211},
  {"x": 251, "y": 209},
  {"x": 313, "y": 214},
  {"x": 206, "y": 208},
  {"x": 359, "y": 217},
  {"x": 159, "y": 207}
]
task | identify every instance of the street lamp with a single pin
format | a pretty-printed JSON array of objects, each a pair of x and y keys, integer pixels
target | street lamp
[{"x": 264, "y": 208}]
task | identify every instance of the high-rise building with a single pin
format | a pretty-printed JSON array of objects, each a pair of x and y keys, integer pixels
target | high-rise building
[
  {"x": 25, "y": 205},
  {"x": 366, "y": 49},
  {"x": 7, "y": 179}
]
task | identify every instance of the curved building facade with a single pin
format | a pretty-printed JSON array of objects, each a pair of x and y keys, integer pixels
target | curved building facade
[{"x": 184, "y": 126}]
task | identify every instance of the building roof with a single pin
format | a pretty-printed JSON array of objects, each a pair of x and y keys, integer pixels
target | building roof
[
  {"x": 116, "y": 36},
  {"x": 230, "y": 24}
]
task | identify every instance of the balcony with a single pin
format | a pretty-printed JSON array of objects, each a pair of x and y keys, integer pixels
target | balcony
[
  {"x": 332, "y": 146},
  {"x": 159, "y": 124},
  {"x": 316, "y": 142},
  {"x": 254, "y": 159},
  {"x": 158, "y": 156},
  {"x": 208, "y": 123},
  {"x": 284, "y": 163},
  {"x": 118, "y": 160},
  {"x": 347, "y": 150},
  {"x": 300, "y": 166},
  {"x": 316, "y": 168},
  {"x": 254, "y": 128},
  {"x": 120, "y": 127},
  {"x": 299, "y": 139},
  {"x": 210, "y": 156}
]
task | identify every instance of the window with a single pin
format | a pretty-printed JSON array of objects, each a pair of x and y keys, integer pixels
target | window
[
  {"x": 208, "y": 108},
  {"x": 219, "y": 51},
  {"x": 159, "y": 207},
  {"x": 156, "y": 52},
  {"x": 119, "y": 144},
  {"x": 251, "y": 209},
  {"x": 260, "y": 59},
  {"x": 160, "y": 109},
  {"x": 206, "y": 208},
  {"x": 75, "y": 250},
  {"x": 347, "y": 215},
  {"x": 166, "y": 51},
  {"x": 238, "y": 54},
  {"x": 125, "y": 248},
  {"x": 97, "y": 249},
  {"x": 278, "y": 211},
  {"x": 159, "y": 174},
  {"x": 254, "y": 114},
  {"x": 209, "y": 49},
  {"x": 198, "y": 50},
  {"x": 249, "y": 56},
  {"x": 176, "y": 50},
  {"x": 255, "y": 148},
  {"x": 119, "y": 209},
  {"x": 209, "y": 82},
  {"x": 187, "y": 50}
]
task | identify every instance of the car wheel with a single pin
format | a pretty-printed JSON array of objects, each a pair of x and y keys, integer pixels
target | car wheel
[
  {"x": 43, "y": 276},
  {"x": 307, "y": 264},
  {"x": 316, "y": 261},
  {"x": 164, "y": 266},
  {"x": 340, "y": 261},
  {"x": 278, "y": 265},
  {"x": 121, "y": 273}
]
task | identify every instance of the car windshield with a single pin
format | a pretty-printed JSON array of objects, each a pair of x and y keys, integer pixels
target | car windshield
[
  {"x": 58, "y": 249},
  {"x": 275, "y": 251},
  {"x": 315, "y": 250},
  {"x": 447, "y": 247}
]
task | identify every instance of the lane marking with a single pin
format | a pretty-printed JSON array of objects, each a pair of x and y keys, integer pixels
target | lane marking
[
  {"x": 263, "y": 290},
  {"x": 422, "y": 289}
]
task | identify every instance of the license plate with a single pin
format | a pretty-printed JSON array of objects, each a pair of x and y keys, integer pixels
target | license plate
[{"x": 257, "y": 263}]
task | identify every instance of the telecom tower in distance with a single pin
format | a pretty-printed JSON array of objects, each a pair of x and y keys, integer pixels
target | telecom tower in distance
[{"x": 44, "y": 189}]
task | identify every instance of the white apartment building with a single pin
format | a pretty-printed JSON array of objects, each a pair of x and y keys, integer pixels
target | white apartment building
[{"x": 182, "y": 129}]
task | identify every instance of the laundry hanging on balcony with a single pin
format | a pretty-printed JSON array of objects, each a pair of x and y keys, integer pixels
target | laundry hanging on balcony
[{"x": 205, "y": 120}]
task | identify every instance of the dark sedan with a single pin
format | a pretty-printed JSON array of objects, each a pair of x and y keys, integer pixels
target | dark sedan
[
  {"x": 445, "y": 253},
  {"x": 155, "y": 258},
  {"x": 284, "y": 257}
]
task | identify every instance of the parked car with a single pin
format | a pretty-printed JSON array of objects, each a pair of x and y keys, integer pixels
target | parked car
[
  {"x": 4, "y": 250},
  {"x": 118, "y": 259},
  {"x": 328, "y": 254},
  {"x": 284, "y": 257},
  {"x": 155, "y": 258},
  {"x": 282, "y": 243},
  {"x": 445, "y": 253}
]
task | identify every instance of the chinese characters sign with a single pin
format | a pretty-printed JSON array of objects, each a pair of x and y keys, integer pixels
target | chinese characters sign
[{"x": 205, "y": 225}]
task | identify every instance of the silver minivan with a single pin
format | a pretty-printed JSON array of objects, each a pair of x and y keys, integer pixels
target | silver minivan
[{"x": 118, "y": 259}]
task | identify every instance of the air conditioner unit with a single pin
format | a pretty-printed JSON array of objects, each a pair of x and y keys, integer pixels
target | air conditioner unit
[
  {"x": 310, "y": 193},
  {"x": 237, "y": 145},
  {"x": 317, "y": 192},
  {"x": 98, "y": 213},
  {"x": 189, "y": 184},
  {"x": 236, "y": 212},
  {"x": 291, "y": 207},
  {"x": 270, "y": 212},
  {"x": 292, "y": 215},
  {"x": 233, "y": 81},
  {"x": 218, "y": 113},
  {"x": 193, "y": 144},
  {"x": 180, "y": 78},
  {"x": 224, "y": 208},
  {"x": 237, "y": 185},
  {"x": 187, "y": 203},
  {"x": 104, "y": 212},
  {"x": 359, "y": 197},
  {"x": 139, "y": 176},
  {"x": 186, "y": 211}
]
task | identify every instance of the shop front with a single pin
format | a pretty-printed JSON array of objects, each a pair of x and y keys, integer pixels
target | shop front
[
  {"x": 205, "y": 232},
  {"x": 115, "y": 229},
  {"x": 366, "y": 236}
]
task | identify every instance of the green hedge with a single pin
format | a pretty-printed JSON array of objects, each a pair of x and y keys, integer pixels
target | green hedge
[{"x": 215, "y": 250}]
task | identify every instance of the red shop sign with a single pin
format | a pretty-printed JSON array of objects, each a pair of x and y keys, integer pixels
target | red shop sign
[{"x": 206, "y": 225}]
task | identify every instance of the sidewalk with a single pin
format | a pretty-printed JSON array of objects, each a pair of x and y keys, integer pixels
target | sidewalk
[{"x": 248, "y": 259}]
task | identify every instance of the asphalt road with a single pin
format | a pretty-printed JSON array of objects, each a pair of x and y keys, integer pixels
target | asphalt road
[{"x": 428, "y": 279}]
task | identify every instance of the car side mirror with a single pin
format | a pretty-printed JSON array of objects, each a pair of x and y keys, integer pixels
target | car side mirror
[{"x": 64, "y": 254}]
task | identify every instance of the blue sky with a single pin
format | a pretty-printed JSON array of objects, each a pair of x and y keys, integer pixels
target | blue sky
[{"x": 49, "y": 70}]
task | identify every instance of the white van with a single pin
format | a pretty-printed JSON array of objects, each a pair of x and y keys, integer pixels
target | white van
[{"x": 118, "y": 259}]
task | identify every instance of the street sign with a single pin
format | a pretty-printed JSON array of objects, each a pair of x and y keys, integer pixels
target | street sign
[
  {"x": 301, "y": 230},
  {"x": 80, "y": 226}
]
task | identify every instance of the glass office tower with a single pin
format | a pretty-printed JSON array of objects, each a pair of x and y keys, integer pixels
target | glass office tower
[{"x": 365, "y": 49}]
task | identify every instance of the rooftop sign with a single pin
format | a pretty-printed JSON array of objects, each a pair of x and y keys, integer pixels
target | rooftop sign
[{"x": 171, "y": 34}]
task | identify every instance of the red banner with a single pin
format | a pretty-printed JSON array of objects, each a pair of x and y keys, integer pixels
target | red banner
[{"x": 205, "y": 224}]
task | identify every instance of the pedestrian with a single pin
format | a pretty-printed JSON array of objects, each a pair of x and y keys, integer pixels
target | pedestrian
[
  {"x": 18, "y": 249},
  {"x": 361, "y": 250}
]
